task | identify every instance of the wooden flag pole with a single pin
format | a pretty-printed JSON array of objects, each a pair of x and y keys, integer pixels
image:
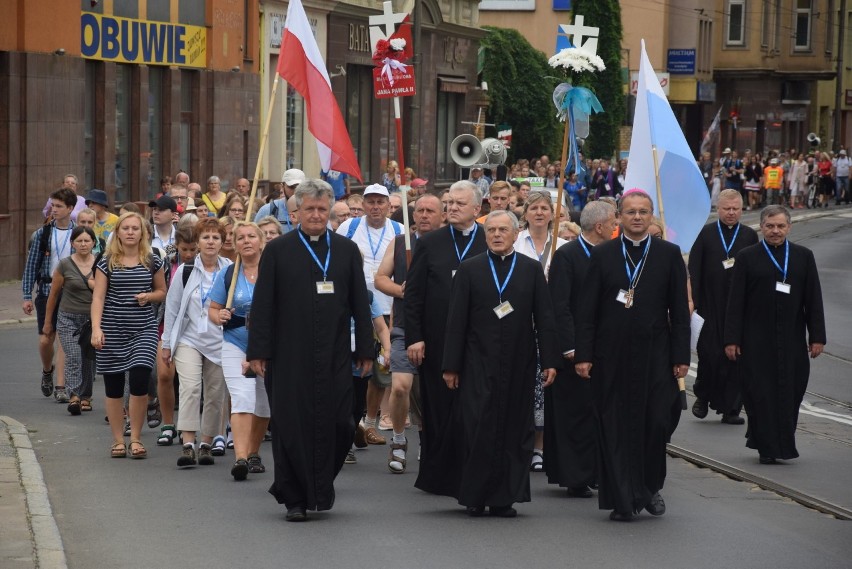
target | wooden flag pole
[
  {"x": 233, "y": 287},
  {"x": 659, "y": 190},
  {"x": 559, "y": 191},
  {"x": 397, "y": 115}
]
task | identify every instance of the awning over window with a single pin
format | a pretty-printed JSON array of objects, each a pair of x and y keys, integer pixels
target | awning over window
[{"x": 452, "y": 85}]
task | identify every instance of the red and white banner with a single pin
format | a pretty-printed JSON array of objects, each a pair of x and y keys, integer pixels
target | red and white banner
[{"x": 301, "y": 65}]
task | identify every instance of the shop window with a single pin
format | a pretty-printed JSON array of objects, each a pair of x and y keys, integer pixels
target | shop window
[
  {"x": 735, "y": 24},
  {"x": 122, "y": 132},
  {"x": 359, "y": 113},
  {"x": 152, "y": 160},
  {"x": 294, "y": 121},
  {"x": 803, "y": 13},
  {"x": 447, "y": 125}
]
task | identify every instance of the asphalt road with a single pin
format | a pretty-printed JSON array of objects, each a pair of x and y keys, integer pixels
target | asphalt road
[{"x": 128, "y": 514}]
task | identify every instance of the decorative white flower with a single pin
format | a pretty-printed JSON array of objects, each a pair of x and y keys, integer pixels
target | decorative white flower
[
  {"x": 397, "y": 44},
  {"x": 577, "y": 59}
]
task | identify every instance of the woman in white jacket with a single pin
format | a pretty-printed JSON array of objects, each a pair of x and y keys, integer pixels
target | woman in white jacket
[
  {"x": 195, "y": 344},
  {"x": 535, "y": 242}
]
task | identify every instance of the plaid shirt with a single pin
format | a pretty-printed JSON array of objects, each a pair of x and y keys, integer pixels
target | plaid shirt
[{"x": 32, "y": 275}]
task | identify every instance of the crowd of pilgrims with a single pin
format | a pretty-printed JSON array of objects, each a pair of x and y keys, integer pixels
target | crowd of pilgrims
[{"x": 314, "y": 327}]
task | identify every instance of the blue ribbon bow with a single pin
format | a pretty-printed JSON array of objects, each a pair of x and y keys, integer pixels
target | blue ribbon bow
[{"x": 575, "y": 104}]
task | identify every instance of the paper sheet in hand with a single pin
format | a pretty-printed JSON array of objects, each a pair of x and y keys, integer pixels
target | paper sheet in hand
[{"x": 695, "y": 325}]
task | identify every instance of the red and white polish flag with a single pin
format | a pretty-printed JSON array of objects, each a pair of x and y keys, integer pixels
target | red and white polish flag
[{"x": 301, "y": 65}]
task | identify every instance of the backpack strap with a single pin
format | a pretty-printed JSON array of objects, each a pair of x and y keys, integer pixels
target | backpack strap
[
  {"x": 397, "y": 227},
  {"x": 229, "y": 276},
  {"x": 352, "y": 227},
  {"x": 187, "y": 271}
]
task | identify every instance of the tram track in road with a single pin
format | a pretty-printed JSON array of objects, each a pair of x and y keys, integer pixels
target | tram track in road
[{"x": 702, "y": 461}]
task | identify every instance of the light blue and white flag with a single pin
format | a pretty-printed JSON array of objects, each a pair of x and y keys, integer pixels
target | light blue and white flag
[{"x": 685, "y": 199}]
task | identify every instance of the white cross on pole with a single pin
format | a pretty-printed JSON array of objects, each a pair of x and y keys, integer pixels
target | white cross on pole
[
  {"x": 389, "y": 20},
  {"x": 579, "y": 31}
]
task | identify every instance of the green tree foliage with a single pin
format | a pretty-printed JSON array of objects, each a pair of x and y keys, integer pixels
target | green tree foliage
[
  {"x": 520, "y": 87},
  {"x": 607, "y": 85}
]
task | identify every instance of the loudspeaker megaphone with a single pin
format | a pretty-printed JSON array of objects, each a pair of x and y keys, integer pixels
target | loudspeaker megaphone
[
  {"x": 813, "y": 139},
  {"x": 466, "y": 150},
  {"x": 494, "y": 152}
]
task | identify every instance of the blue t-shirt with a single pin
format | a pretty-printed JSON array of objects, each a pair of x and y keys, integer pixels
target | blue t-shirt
[
  {"x": 375, "y": 312},
  {"x": 337, "y": 181},
  {"x": 242, "y": 306}
]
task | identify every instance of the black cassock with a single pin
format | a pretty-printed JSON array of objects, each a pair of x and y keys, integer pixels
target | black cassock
[
  {"x": 427, "y": 299},
  {"x": 570, "y": 435},
  {"x": 716, "y": 381},
  {"x": 773, "y": 330},
  {"x": 496, "y": 361},
  {"x": 633, "y": 351},
  {"x": 305, "y": 338}
]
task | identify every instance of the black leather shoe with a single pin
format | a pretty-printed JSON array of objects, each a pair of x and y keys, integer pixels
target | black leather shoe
[
  {"x": 617, "y": 516},
  {"x": 296, "y": 514},
  {"x": 733, "y": 419},
  {"x": 656, "y": 507},
  {"x": 767, "y": 460},
  {"x": 580, "y": 492},
  {"x": 476, "y": 511},
  {"x": 699, "y": 408},
  {"x": 502, "y": 511}
]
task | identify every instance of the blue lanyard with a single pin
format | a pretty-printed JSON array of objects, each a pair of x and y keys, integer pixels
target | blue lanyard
[
  {"x": 631, "y": 276},
  {"x": 324, "y": 269},
  {"x": 205, "y": 296},
  {"x": 466, "y": 249},
  {"x": 375, "y": 249},
  {"x": 583, "y": 245},
  {"x": 59, "y": 250},
  {"x": 532, "y": 246},
  {"x": 500, "y": 288},
  {"x": 725, "y": 246},
  {"x": 786, "y": 258},
  {"x": 249, "y": 288}
]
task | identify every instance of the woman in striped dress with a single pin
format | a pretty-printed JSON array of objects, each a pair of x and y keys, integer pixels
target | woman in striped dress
[{"x": 128, "y": 278}]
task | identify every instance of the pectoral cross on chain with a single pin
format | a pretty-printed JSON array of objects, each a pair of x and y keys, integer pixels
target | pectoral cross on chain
[{"x": 628, "y": 298}]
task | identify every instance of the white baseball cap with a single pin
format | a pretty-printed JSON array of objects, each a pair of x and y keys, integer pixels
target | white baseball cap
[
  {"x": 293, "y": 177},
  {"x": 376, "y": 189}
]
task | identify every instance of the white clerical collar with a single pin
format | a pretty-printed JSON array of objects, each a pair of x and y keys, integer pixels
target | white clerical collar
[
  {"x": 633, "y": 241},
  {"x": 502, "y": 257},
  {"x": 314, "y": 237},
  {"x": 584, "y": 238},
  {"x": 467, "y": 231}
]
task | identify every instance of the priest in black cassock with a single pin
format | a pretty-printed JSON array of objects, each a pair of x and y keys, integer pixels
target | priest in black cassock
[
  {"x": 774, "y": 321},
  {"x": 570, "y": 432},
  {"x": 633, "y": 342},
  {"x": 499, "y": 309},
  {"x": 312, "y": 277},
  {"x": 711, "y": 264},
  {"x": 427, "y": 296}
]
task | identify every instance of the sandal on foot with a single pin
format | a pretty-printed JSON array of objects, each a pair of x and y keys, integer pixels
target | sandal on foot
[
  {"x": 168, "y": 434},
  {"x": 118, "y": 450},
  {"x": 218, "y": 447},
  {"x": 155, "y": 415},
  {"x": 74, "y": 406},
  {"x": 537, "y": 464},
  {"x": 85, "y": 405},
  {"x": 139, "y": 451}
]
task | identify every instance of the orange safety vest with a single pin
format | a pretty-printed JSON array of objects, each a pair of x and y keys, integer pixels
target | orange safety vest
[{"x": 773, "y": 176}]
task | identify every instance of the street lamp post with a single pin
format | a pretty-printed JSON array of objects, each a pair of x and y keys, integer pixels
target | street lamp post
[{"x": 838, "y": 82}]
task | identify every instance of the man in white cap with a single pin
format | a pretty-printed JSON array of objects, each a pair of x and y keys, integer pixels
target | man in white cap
[
  {"x": 373, "y": 233},
  {"x": 278, "y": 208},
  {"x": 841, "y": 173},
  {"x": 479, "y": 180}
]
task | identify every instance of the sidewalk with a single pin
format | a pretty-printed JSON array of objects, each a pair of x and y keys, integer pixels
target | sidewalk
[
  {"x": 10, "y": 304},
  {"x": 30, "y": 536}
]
